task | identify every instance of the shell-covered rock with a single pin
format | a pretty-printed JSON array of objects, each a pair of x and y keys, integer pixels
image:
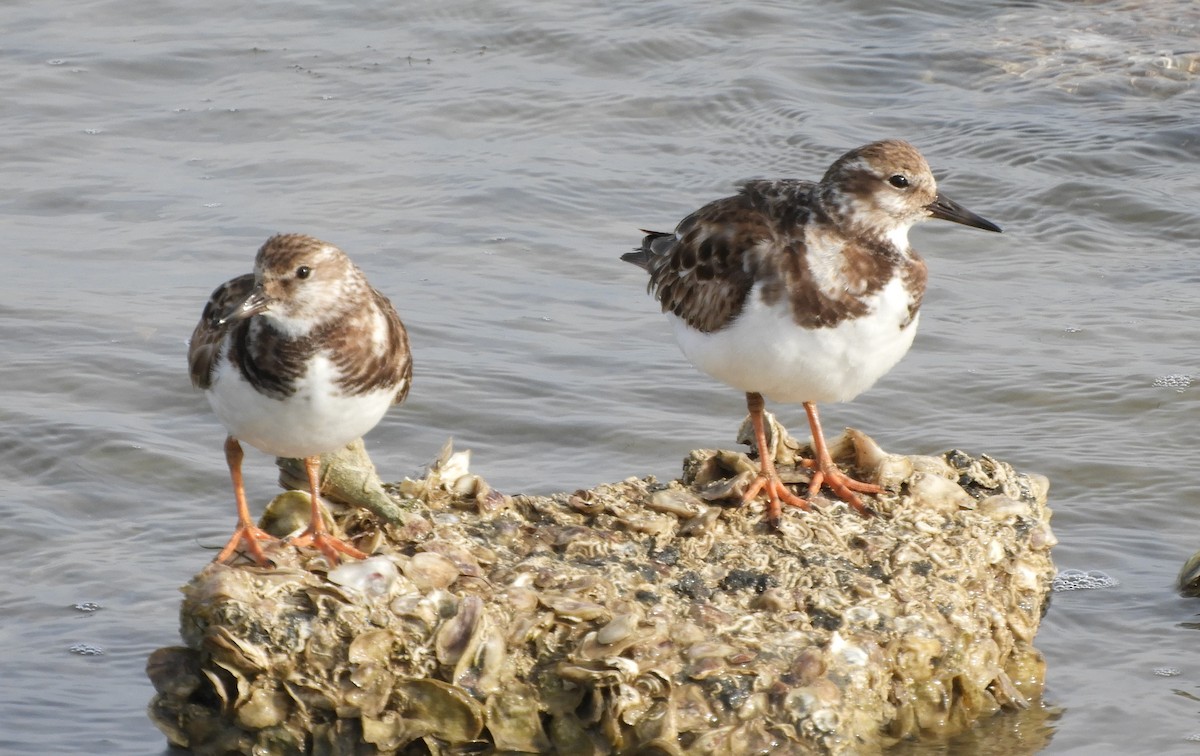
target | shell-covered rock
[{"x": 636, "y": 617}]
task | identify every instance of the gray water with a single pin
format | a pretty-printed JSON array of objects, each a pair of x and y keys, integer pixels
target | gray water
[{"x": 486, "y": 163}]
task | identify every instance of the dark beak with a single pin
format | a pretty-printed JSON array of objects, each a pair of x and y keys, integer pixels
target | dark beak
[
  {"x": 254, "y": 303},
  {"x": 947, "y": 209}
]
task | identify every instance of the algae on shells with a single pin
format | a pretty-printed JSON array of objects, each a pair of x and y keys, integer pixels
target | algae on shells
[{"x": 635, "y": 617}]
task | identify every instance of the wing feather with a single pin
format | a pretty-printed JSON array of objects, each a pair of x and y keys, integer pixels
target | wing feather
[
  {"x": 206, "y": 340},
  {"x": 704, "y": 272}
]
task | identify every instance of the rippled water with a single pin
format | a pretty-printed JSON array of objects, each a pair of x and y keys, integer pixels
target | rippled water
[{"x": 486, "y": 163}]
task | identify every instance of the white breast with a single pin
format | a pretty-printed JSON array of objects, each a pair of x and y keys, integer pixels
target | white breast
[
  {"x": 313, "y": 420},
  {"x": 765, "y": 351}
]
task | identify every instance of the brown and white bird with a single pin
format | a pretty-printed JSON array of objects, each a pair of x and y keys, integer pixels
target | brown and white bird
[
  {"x": 298, "y": 358},
  {"x": 803, "y": 291}
]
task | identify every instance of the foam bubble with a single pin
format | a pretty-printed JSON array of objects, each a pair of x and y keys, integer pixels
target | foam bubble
[
  {"x": 1177, "y": 381},
  {"x": 1078, "y": 580}
]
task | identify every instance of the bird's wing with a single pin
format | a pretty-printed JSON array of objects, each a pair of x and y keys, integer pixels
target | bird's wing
[
  {"x": 206, "y": 339},
  {"x": 703, "y": 273}
]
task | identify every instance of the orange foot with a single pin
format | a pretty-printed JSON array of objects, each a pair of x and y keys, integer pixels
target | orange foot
[
  {"x": 841, "y": 484},
  {"x": 777, "y": 493},
  {"x": 328, "y": 545},
  {"x": 827, "y": 473},
  {"x": 246, "y": 530},
  {"x": 768, "y": 480},
  {"x": 315, "y": 535},
  {"x": 252, "y": 536}
]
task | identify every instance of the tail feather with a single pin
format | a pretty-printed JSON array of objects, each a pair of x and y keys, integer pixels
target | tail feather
[{"x": 641, "y": 256}]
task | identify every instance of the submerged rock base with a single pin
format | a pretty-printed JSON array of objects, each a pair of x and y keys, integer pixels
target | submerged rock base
[{"x": 636, "y": 617}]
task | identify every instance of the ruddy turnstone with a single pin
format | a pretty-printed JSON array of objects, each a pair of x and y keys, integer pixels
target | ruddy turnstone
[
  {"x": 803, "y": 292},
  {"x": 298, "y": 358}
]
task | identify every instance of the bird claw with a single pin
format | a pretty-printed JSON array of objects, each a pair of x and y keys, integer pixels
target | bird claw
[
  {"x": 329, "y": 546},
  {"x": 252, "y": 536},
  {"x": 842, "y": 485},
  {"x": 777, "y": 493}
]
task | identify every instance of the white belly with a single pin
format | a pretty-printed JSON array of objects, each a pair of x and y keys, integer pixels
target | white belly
[
  {"x": 764, "y": 351},
  {"x": 313, "y": 420}
]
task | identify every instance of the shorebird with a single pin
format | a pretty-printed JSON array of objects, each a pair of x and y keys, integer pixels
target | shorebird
[
  {"x": 803, "y": 291},
  {"x": 298, "y": 358}
]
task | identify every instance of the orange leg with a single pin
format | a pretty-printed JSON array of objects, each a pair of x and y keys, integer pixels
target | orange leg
[
  {"x": 825, "y": 471},
  {"x": 247, "y": 531},
  {"x": 315, "y": 534},
  {"x": 768, "y": 480}
]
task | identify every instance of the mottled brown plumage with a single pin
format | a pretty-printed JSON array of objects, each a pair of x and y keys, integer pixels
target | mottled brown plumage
[
  {"x": 703, "y": 273},
  {"x": 271, "y": 360}
]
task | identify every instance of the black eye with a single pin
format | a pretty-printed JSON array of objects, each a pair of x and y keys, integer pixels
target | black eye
[
  {"x": 899, "y": 181},
  {"x": 303, "y": 271}
]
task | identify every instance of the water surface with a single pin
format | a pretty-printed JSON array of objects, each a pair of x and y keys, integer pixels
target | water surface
[{"x": 486, "y": 163}]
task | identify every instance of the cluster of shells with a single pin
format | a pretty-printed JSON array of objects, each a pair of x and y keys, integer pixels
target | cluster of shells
[{"x": 636, "y": 617}]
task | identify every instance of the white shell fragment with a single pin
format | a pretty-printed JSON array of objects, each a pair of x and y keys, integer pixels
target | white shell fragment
[{"x": 373, "y": 577}]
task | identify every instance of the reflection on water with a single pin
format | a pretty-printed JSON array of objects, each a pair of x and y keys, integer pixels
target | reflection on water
[
  {"x": 486, "y": 164},
  {"x": 1006, "y": 734}
]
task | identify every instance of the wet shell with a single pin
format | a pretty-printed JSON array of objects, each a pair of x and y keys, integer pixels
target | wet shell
[
  {"x": 618, "y": 629},
  {"x": 430, "y": 571},
  {"x": 728, "y": 488},
  {"x": 263, "y": 708},
  {"x": 373, "y": 577},
  {"x": 457, "y": 634},
  {"x": 514, "y": 721},
  {"x": 573, "y": 609},
  {"x": 174, "y": 671},
  {"x": 1003, "y": 509},
  {"x": 938, "y": 494},
  {"x": 881, "y": 468},
  {"x": 465, "y": 560},
  {"x": 425, "y": 708},
  {"x": 681, "y": 504},
  {"x": 289, "y": 513}
]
